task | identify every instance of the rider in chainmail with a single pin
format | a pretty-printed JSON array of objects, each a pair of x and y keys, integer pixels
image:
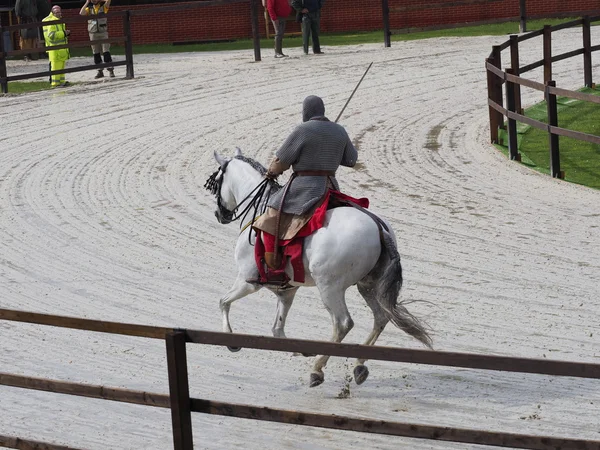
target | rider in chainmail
[{"x": 314, "y": 150}]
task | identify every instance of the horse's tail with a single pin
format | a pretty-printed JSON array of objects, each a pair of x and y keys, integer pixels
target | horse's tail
[{"x": 388, "y": 288}]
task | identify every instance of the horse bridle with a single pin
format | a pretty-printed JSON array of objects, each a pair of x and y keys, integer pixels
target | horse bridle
[{"x": 214, "y": 184}]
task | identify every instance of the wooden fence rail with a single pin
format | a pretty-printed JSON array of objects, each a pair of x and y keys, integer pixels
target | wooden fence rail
[
  {"x": 511, "y": 79},
  {"x": 182, "y": 405}
]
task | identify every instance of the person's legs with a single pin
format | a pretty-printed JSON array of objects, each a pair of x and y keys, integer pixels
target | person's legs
[
  {"x": 57, "y": 79},
  {"x": 315, "y": 25},
  {"x": 106, "y": 55},
  {"x": 96, "y": 49},
  {"x": 306, "y": 25},
  {"x": 279, "y": 36},
  {"x": 23, "y": 41},
  {"x": 27, "y": 44}
]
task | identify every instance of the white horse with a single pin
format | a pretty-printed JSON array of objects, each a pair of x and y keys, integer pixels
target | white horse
[{"x": 349, "y": 249}]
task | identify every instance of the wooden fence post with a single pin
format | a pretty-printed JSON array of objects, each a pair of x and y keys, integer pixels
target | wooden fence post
[
  {"x": 553, "y": 138},
  {"x": 523, "y": 17},
  {"x": 513, "y": 150},
  {"x": 497, "y": 61},
  {"x": 497, "y": 85},
  {"x": 547, "y": 53},
  {"x": 587, "y": 53},
  {"x": 3, "y": 74},
  {"x": 255, "y": 35},
  {"x": 128, "y": 45},
  {"x": 179, "y": 391},
  {"x": 492, "y": 112},
  {"x": 385, "y": 9},
  {"x": 514, "y": 63}
]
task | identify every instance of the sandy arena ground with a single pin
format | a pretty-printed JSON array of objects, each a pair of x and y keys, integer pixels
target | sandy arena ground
[{"x": 103, "y": 216}]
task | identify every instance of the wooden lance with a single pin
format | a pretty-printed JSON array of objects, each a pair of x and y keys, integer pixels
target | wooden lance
[{"x": 351, "y": 95}]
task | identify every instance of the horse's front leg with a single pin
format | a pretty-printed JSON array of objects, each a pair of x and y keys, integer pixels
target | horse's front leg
[
  {"x": 285, "y": 299},
  {"x": 342, "y": 324},
  {"x": 239, "y": 290}
]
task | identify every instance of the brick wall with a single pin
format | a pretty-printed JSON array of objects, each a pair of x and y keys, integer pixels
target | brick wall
[{"x": 233, "y": 21}]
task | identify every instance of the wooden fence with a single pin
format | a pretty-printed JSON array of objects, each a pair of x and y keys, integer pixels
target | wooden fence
[
  {"x": 126, "y": 39},
  {"x": 182, "y": 405},
  {"x": 511, "y": 78}
]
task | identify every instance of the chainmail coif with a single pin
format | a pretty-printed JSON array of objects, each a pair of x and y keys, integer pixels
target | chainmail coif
[{"x": 312, "y": 106}]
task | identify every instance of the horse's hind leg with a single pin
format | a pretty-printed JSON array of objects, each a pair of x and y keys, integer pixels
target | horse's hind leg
[
  {"x": 380, "y": 320},
  {"x": 342, "y": 324}
]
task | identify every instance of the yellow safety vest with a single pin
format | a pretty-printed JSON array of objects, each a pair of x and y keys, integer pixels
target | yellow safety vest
[{"x": 55, "y": 35}]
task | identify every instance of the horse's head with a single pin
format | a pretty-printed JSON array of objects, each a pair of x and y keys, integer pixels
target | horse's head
[
  {"x": 220, "y": 186},
  {"x": 232, "y": 183}
]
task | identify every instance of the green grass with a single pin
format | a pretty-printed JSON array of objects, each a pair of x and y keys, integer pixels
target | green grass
[
  {"x": 21, "y": 87},
  {"x": 578, "y": 159}
]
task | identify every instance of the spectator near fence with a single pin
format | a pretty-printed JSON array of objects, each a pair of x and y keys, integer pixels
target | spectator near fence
[
  {"x": 30, "y": 11},
  {"x": 309, "y": 14},
  {"x": 98, "y": 29},
  {"x": 279, "y": 10},
  {"x": 56, "y": 34}
]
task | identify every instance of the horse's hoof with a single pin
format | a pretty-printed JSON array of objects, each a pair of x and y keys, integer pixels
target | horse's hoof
[
  {"x": 316, "y": 379},
  {"x": 234, "y": 349},
  {"x": 360, "y": 374}
]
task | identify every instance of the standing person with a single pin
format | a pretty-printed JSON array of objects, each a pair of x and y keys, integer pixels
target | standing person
[
  {"x": 309, "y": 13},
  {"x": 27, "y": 12},
  {"x": 43, "y": 9},
  {"x": 279, "y": 10},
  {"x": 56, "y": 34},
  {"x": 98, "y": 29}
]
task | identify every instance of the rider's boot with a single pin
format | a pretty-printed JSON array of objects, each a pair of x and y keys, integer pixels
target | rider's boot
[{"x": 271, "y": 277}]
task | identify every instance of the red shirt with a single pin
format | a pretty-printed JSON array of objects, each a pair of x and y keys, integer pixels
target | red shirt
[{"x": 278, "y": 8}]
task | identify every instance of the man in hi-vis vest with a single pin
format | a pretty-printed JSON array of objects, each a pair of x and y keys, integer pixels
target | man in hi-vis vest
[
  {"x": 56, "y": 34},
  {"x": 98, "y": 29}
]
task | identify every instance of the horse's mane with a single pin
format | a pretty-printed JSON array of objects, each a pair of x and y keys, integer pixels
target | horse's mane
[
  {"x": 275, "y": 186},
  {"x": 253, "y": 163}
]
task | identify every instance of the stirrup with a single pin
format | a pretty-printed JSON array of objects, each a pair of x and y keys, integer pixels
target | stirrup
[{"x": 279, "y": 281}]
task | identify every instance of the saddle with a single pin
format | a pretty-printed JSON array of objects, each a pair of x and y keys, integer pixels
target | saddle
[{"x": 271, "y": 253}]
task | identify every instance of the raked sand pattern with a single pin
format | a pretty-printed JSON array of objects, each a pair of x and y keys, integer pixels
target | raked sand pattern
[{"x": 103, "y": 216}]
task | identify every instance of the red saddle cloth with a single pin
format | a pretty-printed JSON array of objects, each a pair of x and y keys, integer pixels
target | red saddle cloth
[{"x": 292, "y": 248}]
